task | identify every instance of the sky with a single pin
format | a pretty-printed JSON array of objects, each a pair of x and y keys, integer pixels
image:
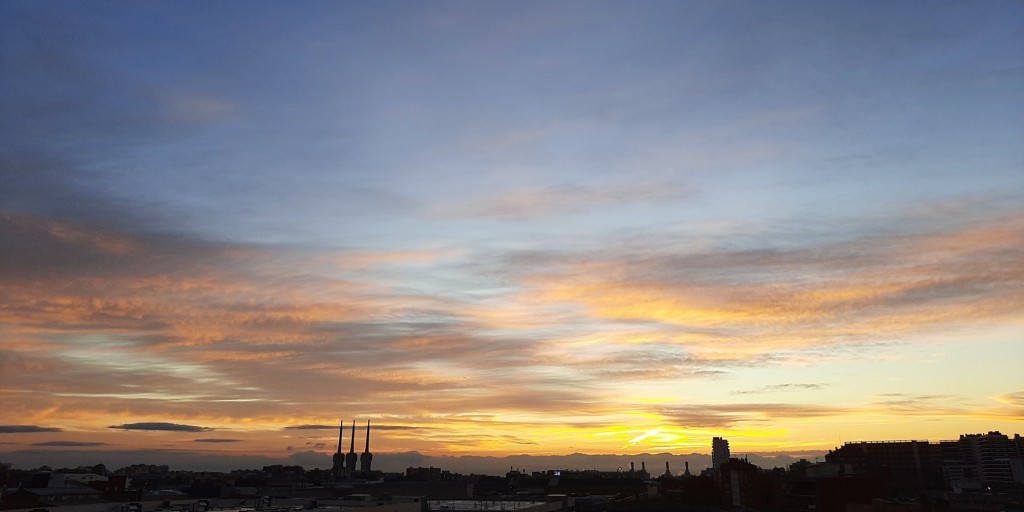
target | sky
[{"x": 499, "y": 228}]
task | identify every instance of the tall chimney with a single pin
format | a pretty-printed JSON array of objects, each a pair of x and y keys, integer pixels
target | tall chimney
[
  {"x": 339, "y": 459},
  {"x": 367, "y": 450},
  {"x": 351, "y": 459},
  {"x": 341, "y": 434},
  {"x": 366, "y": 460},
  {"x": 352, "y": 446}
]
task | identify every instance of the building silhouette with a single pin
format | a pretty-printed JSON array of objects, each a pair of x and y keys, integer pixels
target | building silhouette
[
  {"x": 740, "y": 484},
  {"x": 974, "y": 461},
  {"x": 997, "y": 458},
  {"x": 719, "y": 451}
]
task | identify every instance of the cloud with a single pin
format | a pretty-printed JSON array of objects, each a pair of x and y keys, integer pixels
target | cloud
[
  {"x": 548, "y": 201},
  {"x": 519, "y": 440},
  {"x": 69, "y": 443},
  {"x": 169, "y": 427},
  {"x": 716, "y": 416},
  {"x": 233, "y": 337},
  {"x": 115, "y": 306},
  {"x": 819, "y": 293},
  {"x": 101, "y": 111},
  {"x": 774, "y": 388},
  {"x": 1015, "y": 399},
  {"x": 25, "y": 429},
  {"x": 191, "y": 107},
  {"x": 216, "y": 440},
  {"x": 335, "y": 427},
  {"x": 909, "y": 404}
]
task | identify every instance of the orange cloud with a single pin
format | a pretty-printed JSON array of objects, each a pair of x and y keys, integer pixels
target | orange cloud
[
  {"x": 569, "y": 347},
  {"x": 893, "y": 287}
]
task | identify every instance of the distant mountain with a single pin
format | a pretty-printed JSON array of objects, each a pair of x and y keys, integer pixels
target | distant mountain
[{"x": 655, "y": 462}]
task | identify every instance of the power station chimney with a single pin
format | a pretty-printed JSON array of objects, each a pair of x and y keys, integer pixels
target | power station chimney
[
  {"x": 352, "y": 445},
  {"x": 341, "y": 434},
  {"x": 339, "y": 458},
  {"x": 351, "y": 458},
  {"x": 367, "y": 458},
  {"x": 367, "y": 449}
]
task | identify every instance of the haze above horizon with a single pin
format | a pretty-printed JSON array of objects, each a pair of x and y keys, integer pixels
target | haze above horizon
[{"x": 503, "y": 228}]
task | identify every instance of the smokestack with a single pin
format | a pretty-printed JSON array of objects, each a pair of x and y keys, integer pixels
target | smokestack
[
  {"x": 367, "y": 450},
  {"x": 338, "y": 470},
  {"x": 341, "y": 434},
  {"x": 366, "y": 460},
  {"x": 643, "y": 466},
  {"x": 632, "y": 467},
  {"x": 351, "y": 459},
  {"x": 352, "y": 446}
]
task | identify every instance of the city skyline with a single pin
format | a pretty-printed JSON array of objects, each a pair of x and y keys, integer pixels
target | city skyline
[
  {"x": 950, "y": 450},
  {"x": 495, "y": 229}
]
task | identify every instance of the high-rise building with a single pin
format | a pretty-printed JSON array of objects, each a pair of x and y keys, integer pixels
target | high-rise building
[
  {"x": 995, "y": 457},
  {"x": 719, "y": 451}
]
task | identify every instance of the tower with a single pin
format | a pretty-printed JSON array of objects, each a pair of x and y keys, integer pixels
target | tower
[
  {"x": 339, "y": 458},
  {"x": 351, "y": 457},
  {"x": 719, "y": 451},
  {"x": 367, "y": 457}
]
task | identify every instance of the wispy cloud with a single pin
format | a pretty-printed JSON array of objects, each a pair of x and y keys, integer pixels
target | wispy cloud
[
  {"x": 775, "y": 388},
  {"x": 502, "y": 230},
  {"x": 570, "y": 327},
  {"x": 69, "y": 444},
  {"x": 167, "y": 427},
  {"x": 547, "y": 201},
  {"x": 25, "y": 429},
  {"x": 833, "y": 293},
  {"x": 1015, "y": 399},
  {"x": 711, "y": 416}
]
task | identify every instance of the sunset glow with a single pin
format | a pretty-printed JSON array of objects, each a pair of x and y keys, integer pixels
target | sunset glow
[{"x": 508, "y": 228}]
